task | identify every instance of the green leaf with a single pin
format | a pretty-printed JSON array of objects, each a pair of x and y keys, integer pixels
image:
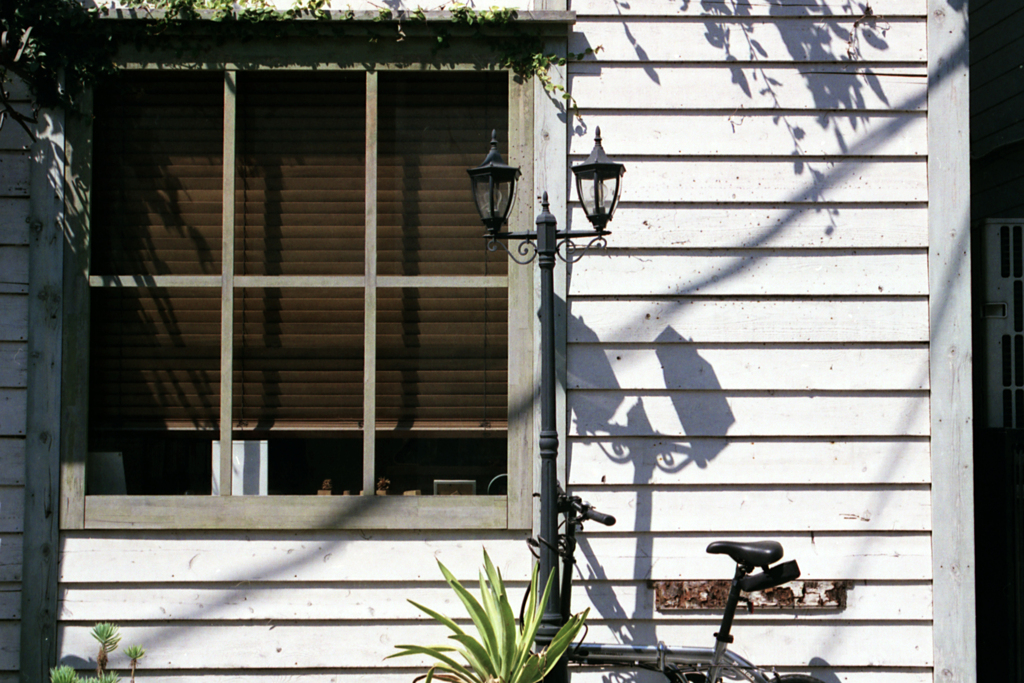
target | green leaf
[
  {"x": 476, "y": 655},
  {"x": 475, "y": 609},
  {"x": 436, "y": 651},
  {"x": 506, "y": 616}
]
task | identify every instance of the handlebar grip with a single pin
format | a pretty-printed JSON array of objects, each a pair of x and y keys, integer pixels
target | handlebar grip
[{"x": 599, "y": 517}]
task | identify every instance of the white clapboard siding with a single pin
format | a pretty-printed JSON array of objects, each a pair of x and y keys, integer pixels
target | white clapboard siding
[
  {"x": 324, "y": 556},
  {"x": 13, "y": 366},
  {"x": 10, "y": 557},
  {"x": 723, "y": 9},
  {"x": 619, "y": 414},
  {"x": 659, "y": 86},
  {"x": 178, "y": 559},
  {"x": 763, "y": 133},
  {"x": 245, "y": 602},
  {"x": 14, "y": 174},
  {"x": 760, "y": 39},
  {"x": 10, "y": 601},
  {"x": 14, "y": 264},
  {"x": 661, "y": 461},
  {"x": 10, "y": 637},
  {"x": 866, "y": 601},
  {"x": 13, "y": 317},
  {"x": 741, "y": 273},
  {"x": 666, "y": 321},
  {"x": 275, "y": 645},
  {"x": 886, "y": 556},
  {"x": 773, "y": 180},
  {"x": 14, "y": 220},
  {"x": 13, "y": 403},
  {"x": 12, "y": 464},
  {"x": 12, "y": 508},
  {"x": 735, "y": 509},
  {"x": 753, "y": 367},
  {"x": 682, "y": 226},
  {"x": 795, "y": 643}
]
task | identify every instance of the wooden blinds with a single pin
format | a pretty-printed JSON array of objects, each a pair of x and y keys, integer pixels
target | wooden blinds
[
  {"x": 298, "y": 351},
  {"x": 441, "y": 352},
  {"x": 156, "y": 212},
  {"x": 307, "y": 288}
]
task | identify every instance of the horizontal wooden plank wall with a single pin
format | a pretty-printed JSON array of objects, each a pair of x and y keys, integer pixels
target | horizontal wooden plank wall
[
  {"x": 14, "y": 239},
  {"x": 748, "y": 359}
]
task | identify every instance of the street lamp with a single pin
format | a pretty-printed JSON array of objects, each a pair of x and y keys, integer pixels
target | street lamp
[{"x": 598, "y": 182}]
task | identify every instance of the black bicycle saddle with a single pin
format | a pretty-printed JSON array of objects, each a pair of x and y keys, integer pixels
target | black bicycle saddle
[{"x": 754, "y": 554}]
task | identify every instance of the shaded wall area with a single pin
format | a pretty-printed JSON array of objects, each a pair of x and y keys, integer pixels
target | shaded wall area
[
  {"x": 14, "y": 240},
  {"x": 997, "y": 192}
]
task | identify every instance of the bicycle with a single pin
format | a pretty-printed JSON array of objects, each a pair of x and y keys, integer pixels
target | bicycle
[{"x": 685, "y": 664}]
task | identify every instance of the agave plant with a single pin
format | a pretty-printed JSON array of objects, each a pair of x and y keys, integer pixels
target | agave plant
[{"x": 503, "y": 653}]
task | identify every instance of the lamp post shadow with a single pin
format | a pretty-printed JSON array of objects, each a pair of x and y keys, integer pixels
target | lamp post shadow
[{"x": 620, "y": 422}]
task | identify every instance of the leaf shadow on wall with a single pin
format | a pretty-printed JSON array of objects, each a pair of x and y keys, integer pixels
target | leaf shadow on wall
[{"x": 624, "y": 429}]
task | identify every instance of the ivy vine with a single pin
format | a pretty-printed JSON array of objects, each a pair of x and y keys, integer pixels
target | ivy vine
[{"x": 59, "y": 47}]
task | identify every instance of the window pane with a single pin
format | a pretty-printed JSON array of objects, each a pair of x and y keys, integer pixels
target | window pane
[
  {"x": 154, "y": 389},
  {"x": 301, "y": 177},
  {"x": 157, "y": 174},
  {"x": 155, "y": 358},
  {"x": 304, "y": 466},
  {"x": 442, "y": 359},
  {"x": 441, "y": 465},
  {"x": 298, "y": 359},
  {"x": 432, "y": 128}
]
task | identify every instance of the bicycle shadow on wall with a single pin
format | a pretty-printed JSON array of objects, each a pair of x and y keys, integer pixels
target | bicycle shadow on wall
[{"x": 613, "y": 420}]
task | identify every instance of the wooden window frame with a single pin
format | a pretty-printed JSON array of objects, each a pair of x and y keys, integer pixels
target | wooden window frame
[{"x": 513, "y": 511}]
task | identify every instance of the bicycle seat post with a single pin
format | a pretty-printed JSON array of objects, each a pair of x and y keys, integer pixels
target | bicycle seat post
[{"x": 723, "y": 638}]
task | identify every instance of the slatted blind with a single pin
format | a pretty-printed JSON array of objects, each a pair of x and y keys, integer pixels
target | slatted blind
[
  {"x": 155, "y": 357},
  {"x": 156, "y": 211},
  {"x": 301, "y": 153},
  {"x": 441, "y": 352},
  {"x": 298, "y": 358},
  {"x": 298, "y": 345},
  {"x": 157, "y": 175}
]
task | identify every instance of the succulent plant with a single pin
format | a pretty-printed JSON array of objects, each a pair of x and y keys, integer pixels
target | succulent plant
[{"x": 503, "y": 654}]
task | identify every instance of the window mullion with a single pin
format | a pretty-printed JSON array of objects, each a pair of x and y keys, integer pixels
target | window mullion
[
  {"x": 370, "y": 292},
  {"x": 227, "y": 306}
]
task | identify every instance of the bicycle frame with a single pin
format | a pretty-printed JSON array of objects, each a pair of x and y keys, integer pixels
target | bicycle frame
[
  {"x": 662, "y": 658},
  {"x": 675, "y": 663}
]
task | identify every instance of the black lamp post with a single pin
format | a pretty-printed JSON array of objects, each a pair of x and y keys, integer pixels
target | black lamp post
[{"x": 598, "y": 183}]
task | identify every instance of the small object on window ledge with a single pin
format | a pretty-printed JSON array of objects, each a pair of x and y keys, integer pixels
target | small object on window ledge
[
  {"x": 325, "y": 490},
  {"x": 413, "y": 492},
  {"x": 383, "y": 484},
  {"x": 454, "y": 487}
]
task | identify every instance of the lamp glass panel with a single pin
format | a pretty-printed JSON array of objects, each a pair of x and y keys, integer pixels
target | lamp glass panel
[
  {"x": 607, "y": 194},
  {"x": 586, "y": 187},
  {"x": 502, "y": 198},
  {"x": 481, "y": 196}
]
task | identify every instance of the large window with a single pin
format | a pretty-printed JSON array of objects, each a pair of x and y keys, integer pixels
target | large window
[{"x": 289, "y": 290}]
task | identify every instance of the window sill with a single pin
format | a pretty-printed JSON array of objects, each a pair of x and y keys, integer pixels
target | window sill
[{"x": 296, "y": 512}]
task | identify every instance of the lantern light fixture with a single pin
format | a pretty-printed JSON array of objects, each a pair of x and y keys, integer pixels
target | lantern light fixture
[
  {"x": 598, "y": 184},
  {"x": 494, "y": 188}
]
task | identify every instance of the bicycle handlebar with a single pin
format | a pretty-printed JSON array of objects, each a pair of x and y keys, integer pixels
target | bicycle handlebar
[{"x": 599, "y": 517}]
